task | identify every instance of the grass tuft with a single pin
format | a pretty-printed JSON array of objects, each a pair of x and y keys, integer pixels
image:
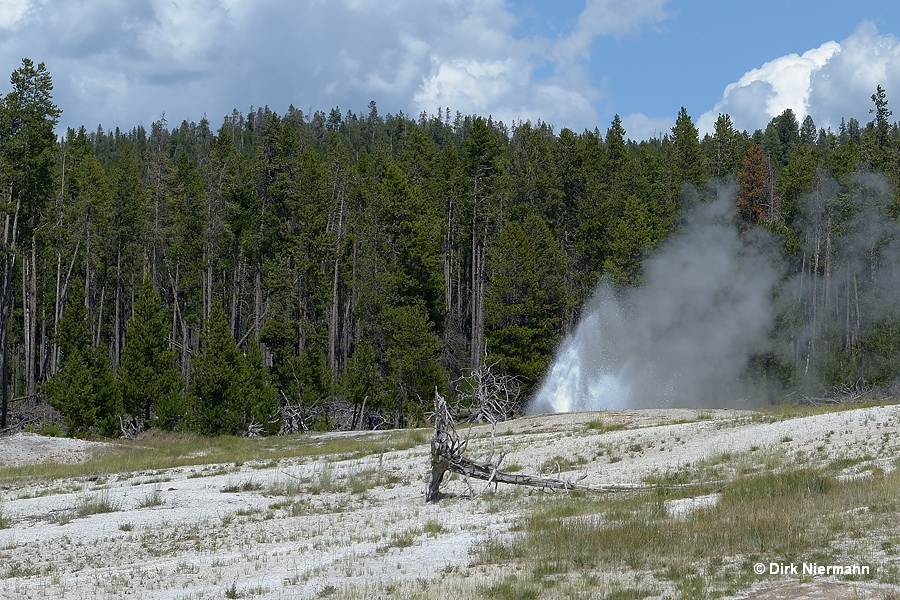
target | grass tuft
[
  {"x": 153, "y": 498},
  {"x": 247, "y": 486},
  {"x": 95, "y": 504}
]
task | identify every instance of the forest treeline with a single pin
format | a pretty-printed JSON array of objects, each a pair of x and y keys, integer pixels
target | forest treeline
[{"x": 343, "y": 265}]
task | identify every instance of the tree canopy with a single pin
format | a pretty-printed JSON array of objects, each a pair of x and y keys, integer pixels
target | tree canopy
[{"x": 345, "y": 265}]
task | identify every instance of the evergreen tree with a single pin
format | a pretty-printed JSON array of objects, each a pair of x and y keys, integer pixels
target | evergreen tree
[
  {"x": 152, "y": 387},
  {"x": 876, "y": 137},
  {"x": 781, "y": 137},
  {"x": 808, "y": 132},
  {"x": 689, "y": 163},
  {"x": 725, "y": 148},
  {"x": 630, "y": 240},
  {"x": 526, "y": 299},
  {"x": 231, "y": 392},
  {"x": 27, "y": 118},
  {"x": 84, "y": 389}
]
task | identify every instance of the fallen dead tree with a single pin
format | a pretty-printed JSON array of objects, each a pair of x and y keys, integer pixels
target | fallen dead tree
[{"x": 447, "y": 454}]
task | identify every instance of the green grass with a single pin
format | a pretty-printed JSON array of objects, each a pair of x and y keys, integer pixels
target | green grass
[
  {"x": 23, "y": 570},
  {"x": 599, "y": 426},
  {"x": 724, "y": 465},
  {"x": 95, "y": 504},
  {"x": 432, "y": 528},
  {"x": 511, "y": 588},
  {"x": 246, "y": 486},
  {"x": 152, "y": 499},
  {"x": 163, "y": 450},
  {"x": 560, "y": 463},
  {"x": 788, "y": 516},
  {"x": 783, "y": 411}
]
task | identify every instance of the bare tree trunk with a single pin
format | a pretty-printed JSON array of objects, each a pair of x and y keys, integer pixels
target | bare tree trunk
[
  {"x": 29, "y": 316},
  {"x": 61, "y": 288},
  {"x": 179, "y": 323},
  {"x": 31, "y": 379},
  {"x": 100, "y": 315},
  {"x": 477, "y": 308},
  {"x": 474, "y": 352},
  {"x": 42, "y": 371},
  {"x": 814, "y": 280},
  {"x": 347, "y": 326},
  {"x": 236, "y": 296},
  {"x": 10, "y": 234},
  {"x": 185, "y": 348},
  {"x": 448, "y": 260},
  {"x": 334, "y": 316},
  {"x": 117, "y": 319},
  {"x": 258, "y": 303},
  {"x": 827, "y": 292},
  {"x": 27, "y": 341}
]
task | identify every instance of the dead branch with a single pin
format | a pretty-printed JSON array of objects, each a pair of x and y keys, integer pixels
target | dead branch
[
  {"x": 447, "y": 455},
  {"x": 291, "y": 416},
  {"x": 488, "y": 395},
  {"x": 131, "y": 427}
]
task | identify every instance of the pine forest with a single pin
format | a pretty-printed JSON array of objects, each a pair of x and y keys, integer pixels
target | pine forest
[{"x": 277, "y": 272}]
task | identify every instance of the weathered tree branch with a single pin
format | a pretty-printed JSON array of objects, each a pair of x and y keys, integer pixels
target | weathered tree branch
[{"x": 447, "y": 455}]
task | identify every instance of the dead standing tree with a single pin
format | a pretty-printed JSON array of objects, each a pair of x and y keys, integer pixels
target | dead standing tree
[{"x": 488, "y": 395}]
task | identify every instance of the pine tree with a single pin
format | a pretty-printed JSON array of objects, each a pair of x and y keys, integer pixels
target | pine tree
[
  {"x": 27, "y": 118},
  {"x": 84, "y": 389},
  {"x": 724, "y": 148},
  {"x": 526, "y": 299},
  {"x": 630, "y": 239},
  {"x": 215, "y": 386},
  {"x": 782, "y": 135},
  {"x": 689, "y": 162},
  {"x": 756, "y": 199},
  {"x": 876, "y": 137},
  {"x": 231, "y": 393},
  {"x": 808, "y": 132},
  {"x": 152, "y": 387}
]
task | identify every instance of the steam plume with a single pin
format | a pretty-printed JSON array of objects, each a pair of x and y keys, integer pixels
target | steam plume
[
  {"x": 710, "y": 301},
  {"x": 683, "y": 336}
]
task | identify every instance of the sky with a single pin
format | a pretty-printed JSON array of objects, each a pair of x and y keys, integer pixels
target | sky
[{"x": 575, "y": 64}]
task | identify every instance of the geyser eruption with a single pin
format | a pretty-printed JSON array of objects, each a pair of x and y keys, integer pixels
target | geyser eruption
[{"x": 682, "y": 338}]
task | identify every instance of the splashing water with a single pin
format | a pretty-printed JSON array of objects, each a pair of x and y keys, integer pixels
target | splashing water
[
  {"x": 684, "y": 337},
  {"x": 579, "y": 380}
]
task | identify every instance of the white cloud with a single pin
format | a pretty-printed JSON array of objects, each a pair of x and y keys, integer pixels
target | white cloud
[
  {"x": 185, "y": 34},
  {"x": 507, "y": 84},
  {"x": 13, "y": 11},
  {"x": 642, "y": 127},
  {"x": 831, "y": 82},
  {"x": 125, "y": 63},
  {"x": 609, "y": 17},
  {"x": 844, "y": 86},
  {"x": 769, "y": 90}
]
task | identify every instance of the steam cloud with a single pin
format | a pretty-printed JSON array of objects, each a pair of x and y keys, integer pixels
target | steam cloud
[
  {"x": 710, "y": 301},
  {"x": 704, "y": 308}
]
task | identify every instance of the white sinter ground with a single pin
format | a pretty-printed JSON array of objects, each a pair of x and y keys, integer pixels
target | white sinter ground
[{"x": 361, "y": 524}]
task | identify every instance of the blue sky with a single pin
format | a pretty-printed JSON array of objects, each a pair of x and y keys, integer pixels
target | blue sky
[{"x": 121, "y": 63}]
